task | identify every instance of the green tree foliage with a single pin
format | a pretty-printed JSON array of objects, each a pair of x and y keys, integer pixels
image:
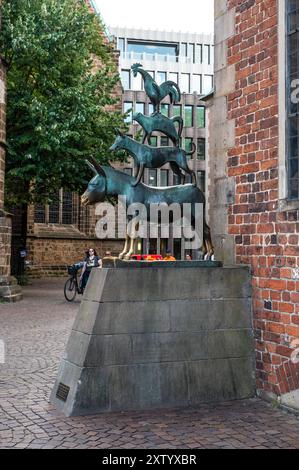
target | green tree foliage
[{"x": 57, "y": 99}]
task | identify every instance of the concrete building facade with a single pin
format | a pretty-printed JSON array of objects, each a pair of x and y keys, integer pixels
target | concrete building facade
[{"x": 253, "y": 175}]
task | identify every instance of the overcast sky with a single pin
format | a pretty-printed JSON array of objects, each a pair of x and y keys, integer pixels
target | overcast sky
[{"x": 195, "y": 16}]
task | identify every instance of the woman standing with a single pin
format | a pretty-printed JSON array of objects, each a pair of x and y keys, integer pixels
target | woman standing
[{"x": 92, "y": 260}]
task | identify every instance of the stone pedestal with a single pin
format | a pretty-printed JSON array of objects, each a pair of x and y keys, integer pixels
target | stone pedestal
[{"x": 158, "y": 337}]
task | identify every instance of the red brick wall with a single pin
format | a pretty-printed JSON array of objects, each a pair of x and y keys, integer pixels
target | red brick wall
[{"x": 265, "y": 237}]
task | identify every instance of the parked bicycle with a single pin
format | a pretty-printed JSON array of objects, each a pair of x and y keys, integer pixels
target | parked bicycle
[{"x": 72, "y": 286}]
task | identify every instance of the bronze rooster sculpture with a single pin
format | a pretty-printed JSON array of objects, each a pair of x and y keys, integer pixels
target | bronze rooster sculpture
[{"x": 155, "y": 92}]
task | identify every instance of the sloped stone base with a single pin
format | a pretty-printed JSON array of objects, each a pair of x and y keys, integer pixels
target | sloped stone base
[{"x": 156, "y": 338}]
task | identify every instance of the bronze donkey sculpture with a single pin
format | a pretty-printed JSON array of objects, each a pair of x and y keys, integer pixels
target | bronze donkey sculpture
[
  {"x": 110, "y": 182},
  {"x": 161, "y": 123},
  {"x": 153, "y": 157}
]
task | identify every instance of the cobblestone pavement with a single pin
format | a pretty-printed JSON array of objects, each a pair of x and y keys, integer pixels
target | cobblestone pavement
[{"x": 35, "y": 331}]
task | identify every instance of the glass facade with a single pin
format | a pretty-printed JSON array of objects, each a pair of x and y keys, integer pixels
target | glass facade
[
  {"x": 292, "y": 84},
  {"x": 152, "y": 48},
  {"x": 207, "y": 84},
  {"x": 196, "y": 83},
  {"x": 173, "y": 76},
  {"x": 165, "y": 109},
  {"x": 188, "y": 146},
  {"x": 177, "y": 110},
  {"x": 164, "y": 141},
  {"x": 154, "y": 141},
  {"x": 201, "y": 180}
]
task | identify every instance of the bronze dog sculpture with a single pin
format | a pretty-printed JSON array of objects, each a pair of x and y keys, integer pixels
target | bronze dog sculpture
[
  {"x": 110, "y": 182},
  {"x": 159, "y": 122},
  {"x": 153, "y": 157},
  {"x": 155, "y": 92}
]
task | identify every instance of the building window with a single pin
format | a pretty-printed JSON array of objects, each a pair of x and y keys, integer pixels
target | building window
[
  {"x": 196, "y": 83},
  {"x": 188, "y": 146},
  {"x": 150, "y": 109},
  {"x": 154, "y": 141},
  {"x": 185, "y": 83},
  {"x": 200, "y": 117},
  {"x": 165, "y": 109},
  {"x": 198, "y": 53},
  {"x": 164, "y": 141},
  {"x": 207, "y": 84},
  {"x": 152, "y": 177},
  {"x": 201, "y": 149},
  {"x": 177, "y": 110},
  {"x": 128, "y": 171},
  {"x": 59, "y": 211},
  {"x": 160, "y": 77},
  {"x": 128, "y": 107},
  {"x": 137, "y": 83},
  {"x": 206, "y": 54},
  {"x": 152, "y": 73},
  {"x": 191, "y": 52},
  {"x": 39, "y": 214},
  {"x": 139, "y": 108},
  {"x": 188, "y": 118},
  {"x": 121, "y": 44},
  {"x": 201, "y": 180},
  {"x": 173, "y": 77},
  {"x": 184, "y": 49},
  {"x": 151, "y": 48},
  {"x": 292, "y": 105},
  {"x": 125, "y": 79},
  {"x": 164, "y": 178}
]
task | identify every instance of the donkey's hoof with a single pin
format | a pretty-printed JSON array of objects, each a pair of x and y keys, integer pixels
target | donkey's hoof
[{"x": 121, "y": 256}]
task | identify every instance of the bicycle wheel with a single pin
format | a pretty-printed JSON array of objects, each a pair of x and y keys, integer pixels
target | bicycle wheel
[{"x": 70, "y": 290}]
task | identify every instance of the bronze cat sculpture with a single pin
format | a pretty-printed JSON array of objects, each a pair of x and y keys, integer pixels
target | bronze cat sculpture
[{"x": 159, "y": 122}]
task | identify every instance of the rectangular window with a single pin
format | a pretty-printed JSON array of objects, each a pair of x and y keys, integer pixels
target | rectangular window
[
  {"x": 139, "y": 108},
  {"x": 151, "y": 48},
  {"x": 206, "y": 54},
  {"x": 185, "y": 83},
  {"x": 292, "y": 105},
  {"x": 154, "y": 141},
  {"x": 121, "y": 44},
  {"x": 39, "y": 214},
  {"x": 128, "y": 171},
  {"x": 164, "y": 141},
  {"x": 173, "y": 77},
  {"x": 160, "y": 77},
  {"x": 188, "y": 146},
  {"x": 137, "y": 82},
  {"x": 152, "y": 73},
  {"x": 191, "y": 52},
  {"x": 196, "y": 84},
  {"x": 188, "y": 111},
  {"x": 201, "y": 149},
  {"x": 207, "y": 84},
  {"x": 198, "y": 53},
  {"x": 54, "y": 209},
  {"x": 67, "y": 208},
  {"x": 164, "y": 178},
  {"x": 150, "y": 109},
  {"x": 128, "y": 106},
  {"x": 200, "y": 117},
  {"x": 201, "y": 180},
  {"x": 125, "y": 79},
  {"x": 184, "y": 49},
  {"x": 165, "y": 109},
  {"x": 152, "y": 177},
  {"x": 177, "y": 110}
]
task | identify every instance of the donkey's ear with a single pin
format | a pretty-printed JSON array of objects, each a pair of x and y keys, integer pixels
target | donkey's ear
[
  {"x": 97, "y": 166},
  {"x": 91, "y": 167}
]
